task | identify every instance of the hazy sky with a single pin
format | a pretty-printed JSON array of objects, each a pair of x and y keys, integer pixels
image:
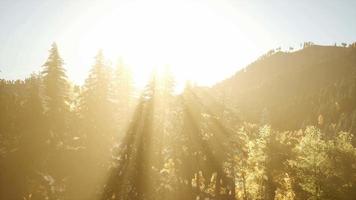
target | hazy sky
[{"x": 204, "y": 40}]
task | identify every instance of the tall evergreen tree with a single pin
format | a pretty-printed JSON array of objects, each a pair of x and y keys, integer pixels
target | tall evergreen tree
[
  {"x": 96, "y": 113},
  {"x": 55, "y": 83},
  {"x": 55, "y": 92},
  {"x": 95, "y": 99}
]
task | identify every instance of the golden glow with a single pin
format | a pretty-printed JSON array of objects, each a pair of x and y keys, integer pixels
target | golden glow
[{"x": 190, "y": 37}]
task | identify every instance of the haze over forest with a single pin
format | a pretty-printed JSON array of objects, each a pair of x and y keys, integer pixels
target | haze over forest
[{"x": 194, "y": 105}]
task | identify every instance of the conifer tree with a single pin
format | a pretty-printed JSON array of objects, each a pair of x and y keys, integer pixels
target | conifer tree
[
  {"x": 96, "y": 121},
  {"x": 96, "y": 96},
  {"x": 55, "y": 82},
  {"x": 55, "y": 92}
]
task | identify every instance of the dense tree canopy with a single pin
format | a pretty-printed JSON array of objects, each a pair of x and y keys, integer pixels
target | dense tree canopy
[{"x": 282, "y": 129}]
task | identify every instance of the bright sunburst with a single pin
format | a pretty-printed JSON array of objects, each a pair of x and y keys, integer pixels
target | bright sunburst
[
  {"x": 282, "y": 128},
  {"x": 189, "y": 37}
]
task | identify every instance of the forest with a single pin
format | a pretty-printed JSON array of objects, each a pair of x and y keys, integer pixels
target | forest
[{"x": 282, "y": 128}]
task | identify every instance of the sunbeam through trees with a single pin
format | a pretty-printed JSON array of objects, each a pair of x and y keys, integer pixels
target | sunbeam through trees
[{"x": 260, "y": 134}]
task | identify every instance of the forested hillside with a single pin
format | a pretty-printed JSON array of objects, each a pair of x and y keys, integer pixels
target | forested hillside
[
  {"x": 305, "y": 84},
  {"x": 280, "y": 129}
]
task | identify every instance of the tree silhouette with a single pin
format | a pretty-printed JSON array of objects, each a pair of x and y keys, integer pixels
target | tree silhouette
[{"x": 55, "y": 92}]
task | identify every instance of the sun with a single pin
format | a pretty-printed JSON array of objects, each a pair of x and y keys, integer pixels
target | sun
[{"x": 190, "y": 37}]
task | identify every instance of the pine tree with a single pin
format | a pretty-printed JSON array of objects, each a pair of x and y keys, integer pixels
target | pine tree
[
  {"x": 96, "y": 120},
  {"x": 96, "y": 97},
  {"x": 55, "y": 92},
  {"x": 55, "y": 82}
]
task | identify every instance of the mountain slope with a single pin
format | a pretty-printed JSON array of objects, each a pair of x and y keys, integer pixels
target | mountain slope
[{"x": 290, "y": 90}]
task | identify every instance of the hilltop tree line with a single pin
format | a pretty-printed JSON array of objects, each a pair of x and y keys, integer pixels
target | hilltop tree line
[{"x": 106, "y": 140}]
